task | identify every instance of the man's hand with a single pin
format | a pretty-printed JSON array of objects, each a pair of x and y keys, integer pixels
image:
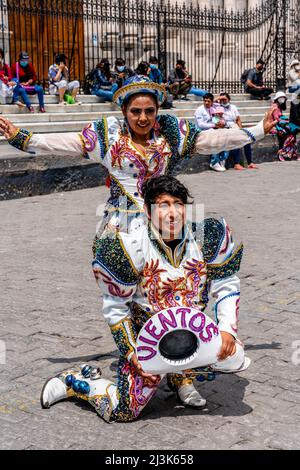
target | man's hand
[
  {"x": 228, "y": 347},
  {"x": 269, "y": 122},
  {"x": 153, "y": 379},
  {"x": 7, "y": 128}
]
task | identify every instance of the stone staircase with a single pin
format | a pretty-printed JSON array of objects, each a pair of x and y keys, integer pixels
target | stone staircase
[
  {"x": 72, "y": 118},
  {"x": 24, "y": 175}
]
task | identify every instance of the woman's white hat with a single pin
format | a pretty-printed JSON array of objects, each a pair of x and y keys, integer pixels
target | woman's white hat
[
  {"x": 279, "y": 94},
  {"x": 294, "y": 62}
]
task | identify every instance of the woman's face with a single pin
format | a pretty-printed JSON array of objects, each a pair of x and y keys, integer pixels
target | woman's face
[{"x": 141, "y": 114}]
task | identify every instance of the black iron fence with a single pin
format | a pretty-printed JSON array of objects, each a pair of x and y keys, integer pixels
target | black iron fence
[{"x": 217, "y": 45}]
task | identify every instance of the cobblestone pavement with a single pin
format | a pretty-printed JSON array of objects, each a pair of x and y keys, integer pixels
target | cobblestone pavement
[{"x": 51, "y": 319}]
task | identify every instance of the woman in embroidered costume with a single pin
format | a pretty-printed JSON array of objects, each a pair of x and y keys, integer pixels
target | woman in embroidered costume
[
  {"x": 145, "y": 145},
  {"x": 134, "y": 272}
]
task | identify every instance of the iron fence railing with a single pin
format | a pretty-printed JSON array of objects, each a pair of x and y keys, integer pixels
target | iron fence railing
[{"x": 216, "y": 44}]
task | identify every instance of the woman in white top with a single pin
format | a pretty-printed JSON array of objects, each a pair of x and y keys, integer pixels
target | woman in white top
[
  {"x": 294, "y": 76},
  {"x": 233, "y": 120}
]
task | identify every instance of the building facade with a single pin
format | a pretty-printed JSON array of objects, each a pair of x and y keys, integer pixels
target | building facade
[{"x": 218, "y": 39}]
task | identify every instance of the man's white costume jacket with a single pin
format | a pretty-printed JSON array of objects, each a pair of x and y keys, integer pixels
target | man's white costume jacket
[{"x": 140, "y": 275}]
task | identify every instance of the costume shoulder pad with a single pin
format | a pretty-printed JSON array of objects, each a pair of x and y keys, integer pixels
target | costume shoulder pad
[{"x": 112, "y": 256}]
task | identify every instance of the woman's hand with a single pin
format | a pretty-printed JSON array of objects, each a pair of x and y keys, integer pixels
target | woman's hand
[
  {"x": 269, "y": 122},
  {"x": 153, "y": 379},
  {"x": 7, "y": 128}
]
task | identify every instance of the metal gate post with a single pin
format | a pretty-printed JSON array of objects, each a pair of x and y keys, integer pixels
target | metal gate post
[
  {"x": 280, "y": 59},
  {"x": 162, "y": 36}
]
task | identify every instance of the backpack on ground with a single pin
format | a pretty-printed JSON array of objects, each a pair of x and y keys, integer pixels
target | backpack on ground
[
  {"x": 244, "y": 76},
  {"x": 89, "y": 81}
]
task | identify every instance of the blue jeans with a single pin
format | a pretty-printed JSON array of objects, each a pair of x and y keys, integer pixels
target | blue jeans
[
  {"x": 106, "y": 94},
  {"x": 197, "y": 91},
  {"x": 236, "y": 153},
  {"x": 19, "y": 91},
  {"x": 294, "y": 88},
  {"x": 218, "y": 157}
]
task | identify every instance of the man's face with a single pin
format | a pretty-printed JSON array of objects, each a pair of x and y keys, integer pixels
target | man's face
[
  {"x": 168, "y": 216},
  {"x": 259, "y": 67},
  {"x": 179, "y": 66},
  {"x": 207, "y": 102}
]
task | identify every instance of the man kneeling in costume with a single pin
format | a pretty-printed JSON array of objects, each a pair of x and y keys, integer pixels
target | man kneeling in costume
[{"x": 161, "y": 264}]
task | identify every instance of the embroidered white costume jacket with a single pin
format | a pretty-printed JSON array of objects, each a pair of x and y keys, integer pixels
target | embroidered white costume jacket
[
  {"x": 139, "y": 276},
  {"x": 108, "y": 141}
]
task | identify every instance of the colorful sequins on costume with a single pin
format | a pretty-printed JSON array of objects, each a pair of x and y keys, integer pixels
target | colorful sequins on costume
[{"x": 20, "y": 139}]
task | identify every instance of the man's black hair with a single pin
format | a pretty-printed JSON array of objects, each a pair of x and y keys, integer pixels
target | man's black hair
[
  {"x": 142, "y": 68},
  {"x": 180, "y": 62},
  {"x": 225, "y": 94},
  {"x": 153, "y": 60},
  {"x": 60, "y": 58},
  {"x": 209, "y": 96},
  {"x": 260, "y": 61},
  {"x": 119, "y": 61},
  {"x": 154, "y": 187}
]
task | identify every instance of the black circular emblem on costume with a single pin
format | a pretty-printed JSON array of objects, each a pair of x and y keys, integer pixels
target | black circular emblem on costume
[{"x": 178, "y": 345}]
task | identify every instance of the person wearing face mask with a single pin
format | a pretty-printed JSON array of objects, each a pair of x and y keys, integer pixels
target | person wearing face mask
[
  {"x": 285, "y": 129},
  {"x": 24, "y": 74},
  {"x": 122, "y": 72},
  {"x": 233, "y": 119},
  {"x": 254, "y": 83},
  {"x": 59, "y": 82},
  {"x": 155, "y": 74},
  {"x": 294, "y": 76},
  {"x": 180, "y": 82},
  {"x": 104, "y": 84}
]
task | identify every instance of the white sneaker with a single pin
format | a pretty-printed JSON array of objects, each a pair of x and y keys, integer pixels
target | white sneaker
[
  {"x": 189, "y": 396},
  {"x": 62, "y": 103},
  {"x": 217, "y": 167},
  {"x": 222, "y": 163},
  {"x": 53, "y": 391}
]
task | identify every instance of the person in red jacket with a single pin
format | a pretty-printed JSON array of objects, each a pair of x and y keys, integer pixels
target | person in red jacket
[
  {"x": 24, "y": 72},
  {"x": 8, "y": 87}
]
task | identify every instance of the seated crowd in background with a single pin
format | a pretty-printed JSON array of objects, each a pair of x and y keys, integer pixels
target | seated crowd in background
[{"x": 216, "y": 114}]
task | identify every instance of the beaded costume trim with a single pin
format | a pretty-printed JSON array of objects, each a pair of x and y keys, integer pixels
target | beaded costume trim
[
  {"x": 20, "y": 139},
  {"x": 124, "y": 336},
  {"x": 112, "y": 256},
  {"x": 249, "y": 134},
  {"x": 227, "y": 268},
  {"x": 214, "y": 233},
  {"x": 102, "y": 131}
]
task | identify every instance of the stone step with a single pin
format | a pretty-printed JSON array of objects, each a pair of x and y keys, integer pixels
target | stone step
[
  {"x": 51, "y": 99},
  {"x": 76, "y": 126},
  {"x": 106, "y": 107},
  {"x": 256, "y": 113}
]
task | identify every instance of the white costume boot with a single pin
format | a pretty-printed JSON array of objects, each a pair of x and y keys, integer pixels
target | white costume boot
[{"x": 189, "y": 396}]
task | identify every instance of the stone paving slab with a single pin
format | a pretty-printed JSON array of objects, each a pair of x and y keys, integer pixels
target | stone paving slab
[{"x": 51, "y": 319}]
